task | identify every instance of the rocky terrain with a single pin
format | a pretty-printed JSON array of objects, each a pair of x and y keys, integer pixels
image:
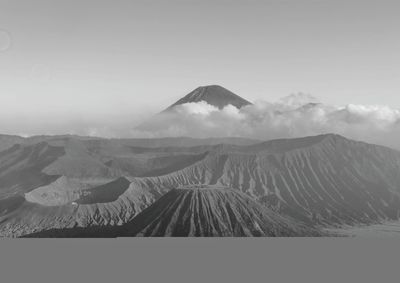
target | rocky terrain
[
  {"x": 198, "y": 211},
  {"x": 60, "y": 183},
  {"x": 323, "y": 180}
]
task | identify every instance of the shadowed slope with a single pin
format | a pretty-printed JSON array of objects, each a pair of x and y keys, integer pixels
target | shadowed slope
[
  {"x": 10, "y": 204},
  {"x": 21, "y": 167}
]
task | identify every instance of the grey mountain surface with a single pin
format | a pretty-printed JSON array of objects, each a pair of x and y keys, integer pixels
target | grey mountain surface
[
  {"x": 323, "y": 180},
  {"x": 42, "y": 185},
  {"x": 204, "y": 211},
  {"x": 198, "y": 211},
  {"x": 7, "y": 141},
  {"x": 95, "y": 186}
]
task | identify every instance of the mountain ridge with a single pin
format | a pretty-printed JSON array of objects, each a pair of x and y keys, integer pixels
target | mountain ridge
[{"x": 327, "y": 180}]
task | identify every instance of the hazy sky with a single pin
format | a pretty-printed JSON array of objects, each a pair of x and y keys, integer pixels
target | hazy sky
[{"x": 68, "y": 66}]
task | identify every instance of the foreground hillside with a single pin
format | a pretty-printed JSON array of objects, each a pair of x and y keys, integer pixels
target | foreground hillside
[
  {"x": 69, "y": 182},
  {"x": 198, "y": 211},
  {"x": 211, "y": 211}
]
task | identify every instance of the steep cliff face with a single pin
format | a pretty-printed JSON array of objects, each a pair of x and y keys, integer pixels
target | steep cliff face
[
  {"x": 321, "y": 180},
  {"x": 326, "y": 179}
]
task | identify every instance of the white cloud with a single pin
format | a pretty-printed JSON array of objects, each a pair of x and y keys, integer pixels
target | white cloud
[
  {"x": 297, "y": 100},
  {"x": 293, "y": 116}
]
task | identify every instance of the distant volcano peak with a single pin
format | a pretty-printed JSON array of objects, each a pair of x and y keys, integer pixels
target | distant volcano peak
[{"x": 215, "y": 95}]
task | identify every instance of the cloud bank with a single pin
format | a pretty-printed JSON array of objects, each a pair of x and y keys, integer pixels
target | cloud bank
[{"x": 293, "y": 116}]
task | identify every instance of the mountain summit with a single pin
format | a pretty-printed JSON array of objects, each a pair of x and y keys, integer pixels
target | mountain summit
[{"x": 215, "y": 95}]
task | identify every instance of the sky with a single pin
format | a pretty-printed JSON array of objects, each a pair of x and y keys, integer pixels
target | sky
[{"x": 82, "y": 66}]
